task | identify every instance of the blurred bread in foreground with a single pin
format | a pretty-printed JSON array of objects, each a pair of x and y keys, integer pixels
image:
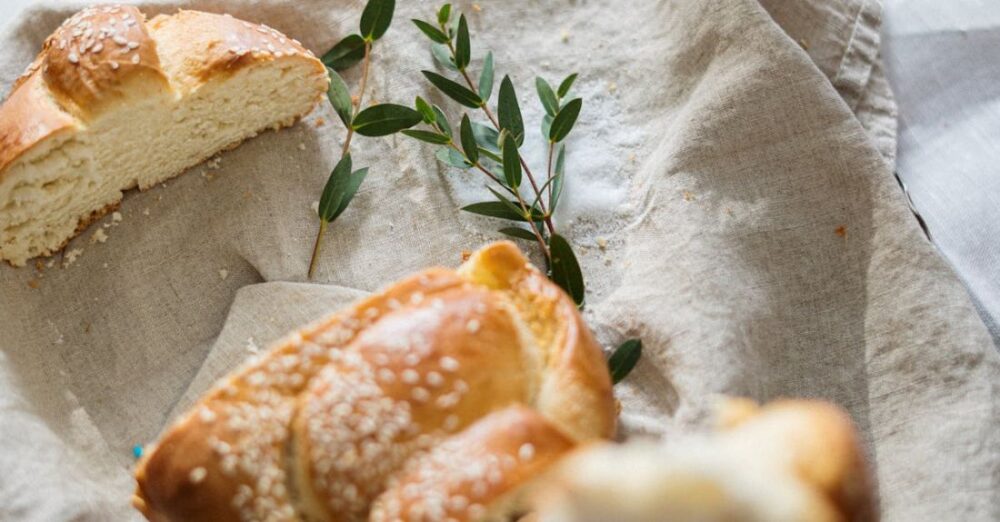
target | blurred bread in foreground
[{"x": 789, "y": 461}]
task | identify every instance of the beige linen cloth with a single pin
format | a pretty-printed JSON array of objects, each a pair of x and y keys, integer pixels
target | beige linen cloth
[{"x": 736, "y": 156}]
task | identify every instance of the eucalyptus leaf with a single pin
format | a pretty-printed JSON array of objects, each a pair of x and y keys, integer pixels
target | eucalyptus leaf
[
  {"x": 509, "y": 110},
  {"x": 486, "y": 77},
  {"x": 429, "y": 137},
  {"x": 441, "y": 121},
  {"x": 503, "y": 199},
  {"x": 487, "y": 137},
  {"x": 565, "y": 269},
  {"x": 444, "y": 14},
  {"x": 546, "y": 125},
  {"x": 511, "y": 162},
  {"x": 333, "y": 192},
  {"x": 454, "y": 91},
  {"x": 557, "y": 179},
  {"x": 346, "y": 53},
  {"x": 624, "y": 359},
  {"x": 491, "y": 155},
  {"x": 463, "y": 45},
  {"x": 450, "y": 156},
  {"x": 432, "y": 32},
  {"x": 566, "y": 85},
  {"x": 518, "y": 233},
  {"x": 443, "y": 57},
  {"x": 340, "y": 97},
  {"x": 494, "y": 209},
  {"x": 425, "y": 110},
  {"x": 564, "y": 121},
  {"x": 376, "y": 18},
  {"x": 350, "y": 190},
  {"x": 549, "y": 100},
  {"x": 385, "y": 119},
  {"x": 469, "y": 144}
]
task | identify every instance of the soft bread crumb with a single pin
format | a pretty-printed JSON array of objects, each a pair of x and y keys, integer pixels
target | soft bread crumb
[
  {"x": 99, "y": 236},
  {"x": 223, "y": 274},
  {"x": 71, "y": 257}
]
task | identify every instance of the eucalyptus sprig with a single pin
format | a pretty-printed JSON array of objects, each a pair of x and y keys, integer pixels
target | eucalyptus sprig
[
  {"x": 492, "y": 148},
  {"x": 374, "y": 121}
]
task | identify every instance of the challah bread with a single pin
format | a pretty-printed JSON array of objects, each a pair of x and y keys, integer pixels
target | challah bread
[
  {"x": 113, "y": 102},
  {"x": 790, "y": 461},
  {"x": 342, "y": 414}
]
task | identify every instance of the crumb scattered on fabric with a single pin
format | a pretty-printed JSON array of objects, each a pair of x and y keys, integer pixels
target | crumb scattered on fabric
[
  {"x": 223, "y": 274},
  {"x": 315, "y": 206},
  {"x": 116, "y": 217},
  {"x": 39, "y": 266},
  {"x": 841, "y": 231},
  {"x": 145, "y": 211},
  {"x": 602, "y": 243},
  {"x": 320, "y": 122},
  {"x": 251, "y": 346},
  {"x": 804, "y": 43},
  {"x": 688, "y": 196},
  {"x": 477, "y": 8},
  {"x": 612, "y": 87},
  {"x": 51, "y": 263},
  {"x": 86, "y": 328},
  {"x": 105, "y": 265},
  {"x": 33, "y": 284},
  {"x": 302, "y": 146},
  {"x": 564, "y": 36},
  {"x": 71, "y": 257},
  {"x": 466, "y": 254},
  {"x": 60, "y": 340},
  {"x": 99, "y": 236},
  {"x": 214, "y": 163}
]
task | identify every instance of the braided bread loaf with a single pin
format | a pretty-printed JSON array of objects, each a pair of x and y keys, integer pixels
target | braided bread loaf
[
  {"x": 440, "y": 398},
  {"x": 790, "y": 461},
  {"x": 113, "y": 102}
]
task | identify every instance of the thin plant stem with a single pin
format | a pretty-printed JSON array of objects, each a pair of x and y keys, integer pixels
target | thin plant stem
[
  {"x": 548, "y": 178},
  {"x": 347, "y": 149}
]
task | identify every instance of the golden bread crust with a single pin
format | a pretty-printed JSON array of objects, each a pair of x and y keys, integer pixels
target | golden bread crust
[{"x": 322, "y": 424}]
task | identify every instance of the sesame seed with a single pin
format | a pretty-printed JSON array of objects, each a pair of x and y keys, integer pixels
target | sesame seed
[
  {"x": 451, "y": 422},
  {"x": 472, "y": 326},
  {"x": 97, "y": 48},
  {"x": 73, "y": 58},
  {"x": 449, "y": 364},
  {"x": 197, "y": 475},
  {"x": 135, "y": 59},
  {"x": 119, "y": 40},
  {"x": 434, "y": 379},
  {"x": 526, "y": 452},
  {"x": 206, "y": 415},
  {"x": 133, "y": 45},
  {"x": 420, "y": 394},
  {"x": 114, "y": 66},
  {"x": 410, "y": 376}
]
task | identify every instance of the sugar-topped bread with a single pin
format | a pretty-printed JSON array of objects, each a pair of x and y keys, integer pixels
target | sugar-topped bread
[{"x": 114, "y": 102}]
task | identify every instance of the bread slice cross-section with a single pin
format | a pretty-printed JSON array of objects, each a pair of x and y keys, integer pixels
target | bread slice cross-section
[{"x": 115, "y": 102}]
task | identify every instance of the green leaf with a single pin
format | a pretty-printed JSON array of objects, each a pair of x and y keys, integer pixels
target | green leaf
[
  {"x": 566, "y": 85},
  {"x": 385, "y": 119},
  {"x": 566, "y": 269},
  {"x": 453, "y": 27},
  {"x": 557, "y": 179},
  {"x": 518, "y": 233},
  {"x": 495, "y": 209},
  {"x": 510, "y": 111},
  {"x": 548, "y": 97},
  {"x": 511, "y": 162},
  {"x": 486, "y": 77},
  {"x": 443, "y": 57},
  {"x": 441, "y": 121},
  {"x": 624, "y": 359},
  {"x": 340, "y": 97},
  {"x": 564, "y": 121},
  {"x": 429, "y": 137},
  {"x": 425, "y": 110},
  {"x": 444, "y": 15},
  {"x": 432, "y": 32},
  {"x": 463, "y": 45},
  {"x": 454, "y": 90},
  {"x": 469, "y": 144},
  {"x": 350, "y": 190},
  {"x": 346, "y": 53},
  {"x": 335, "y": 189},
  {"x": 546, "y": 125},
  {"x": 487, "y": 137},
  {"x": 491, "y": 155},
  {"x": 503, "y": 199},
  {"x": 450, "y": 156},
  {"x": 376, "y": 17}
]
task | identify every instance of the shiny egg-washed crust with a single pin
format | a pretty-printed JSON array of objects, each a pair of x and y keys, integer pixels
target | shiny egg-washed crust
[
  {"x": 476, "y": 474},
  {"x": 101, "y": 54},
  {"x": 324, "y": 423}
]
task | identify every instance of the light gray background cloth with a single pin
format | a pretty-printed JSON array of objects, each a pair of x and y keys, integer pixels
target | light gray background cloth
[{"x": 736, "y": 155}]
